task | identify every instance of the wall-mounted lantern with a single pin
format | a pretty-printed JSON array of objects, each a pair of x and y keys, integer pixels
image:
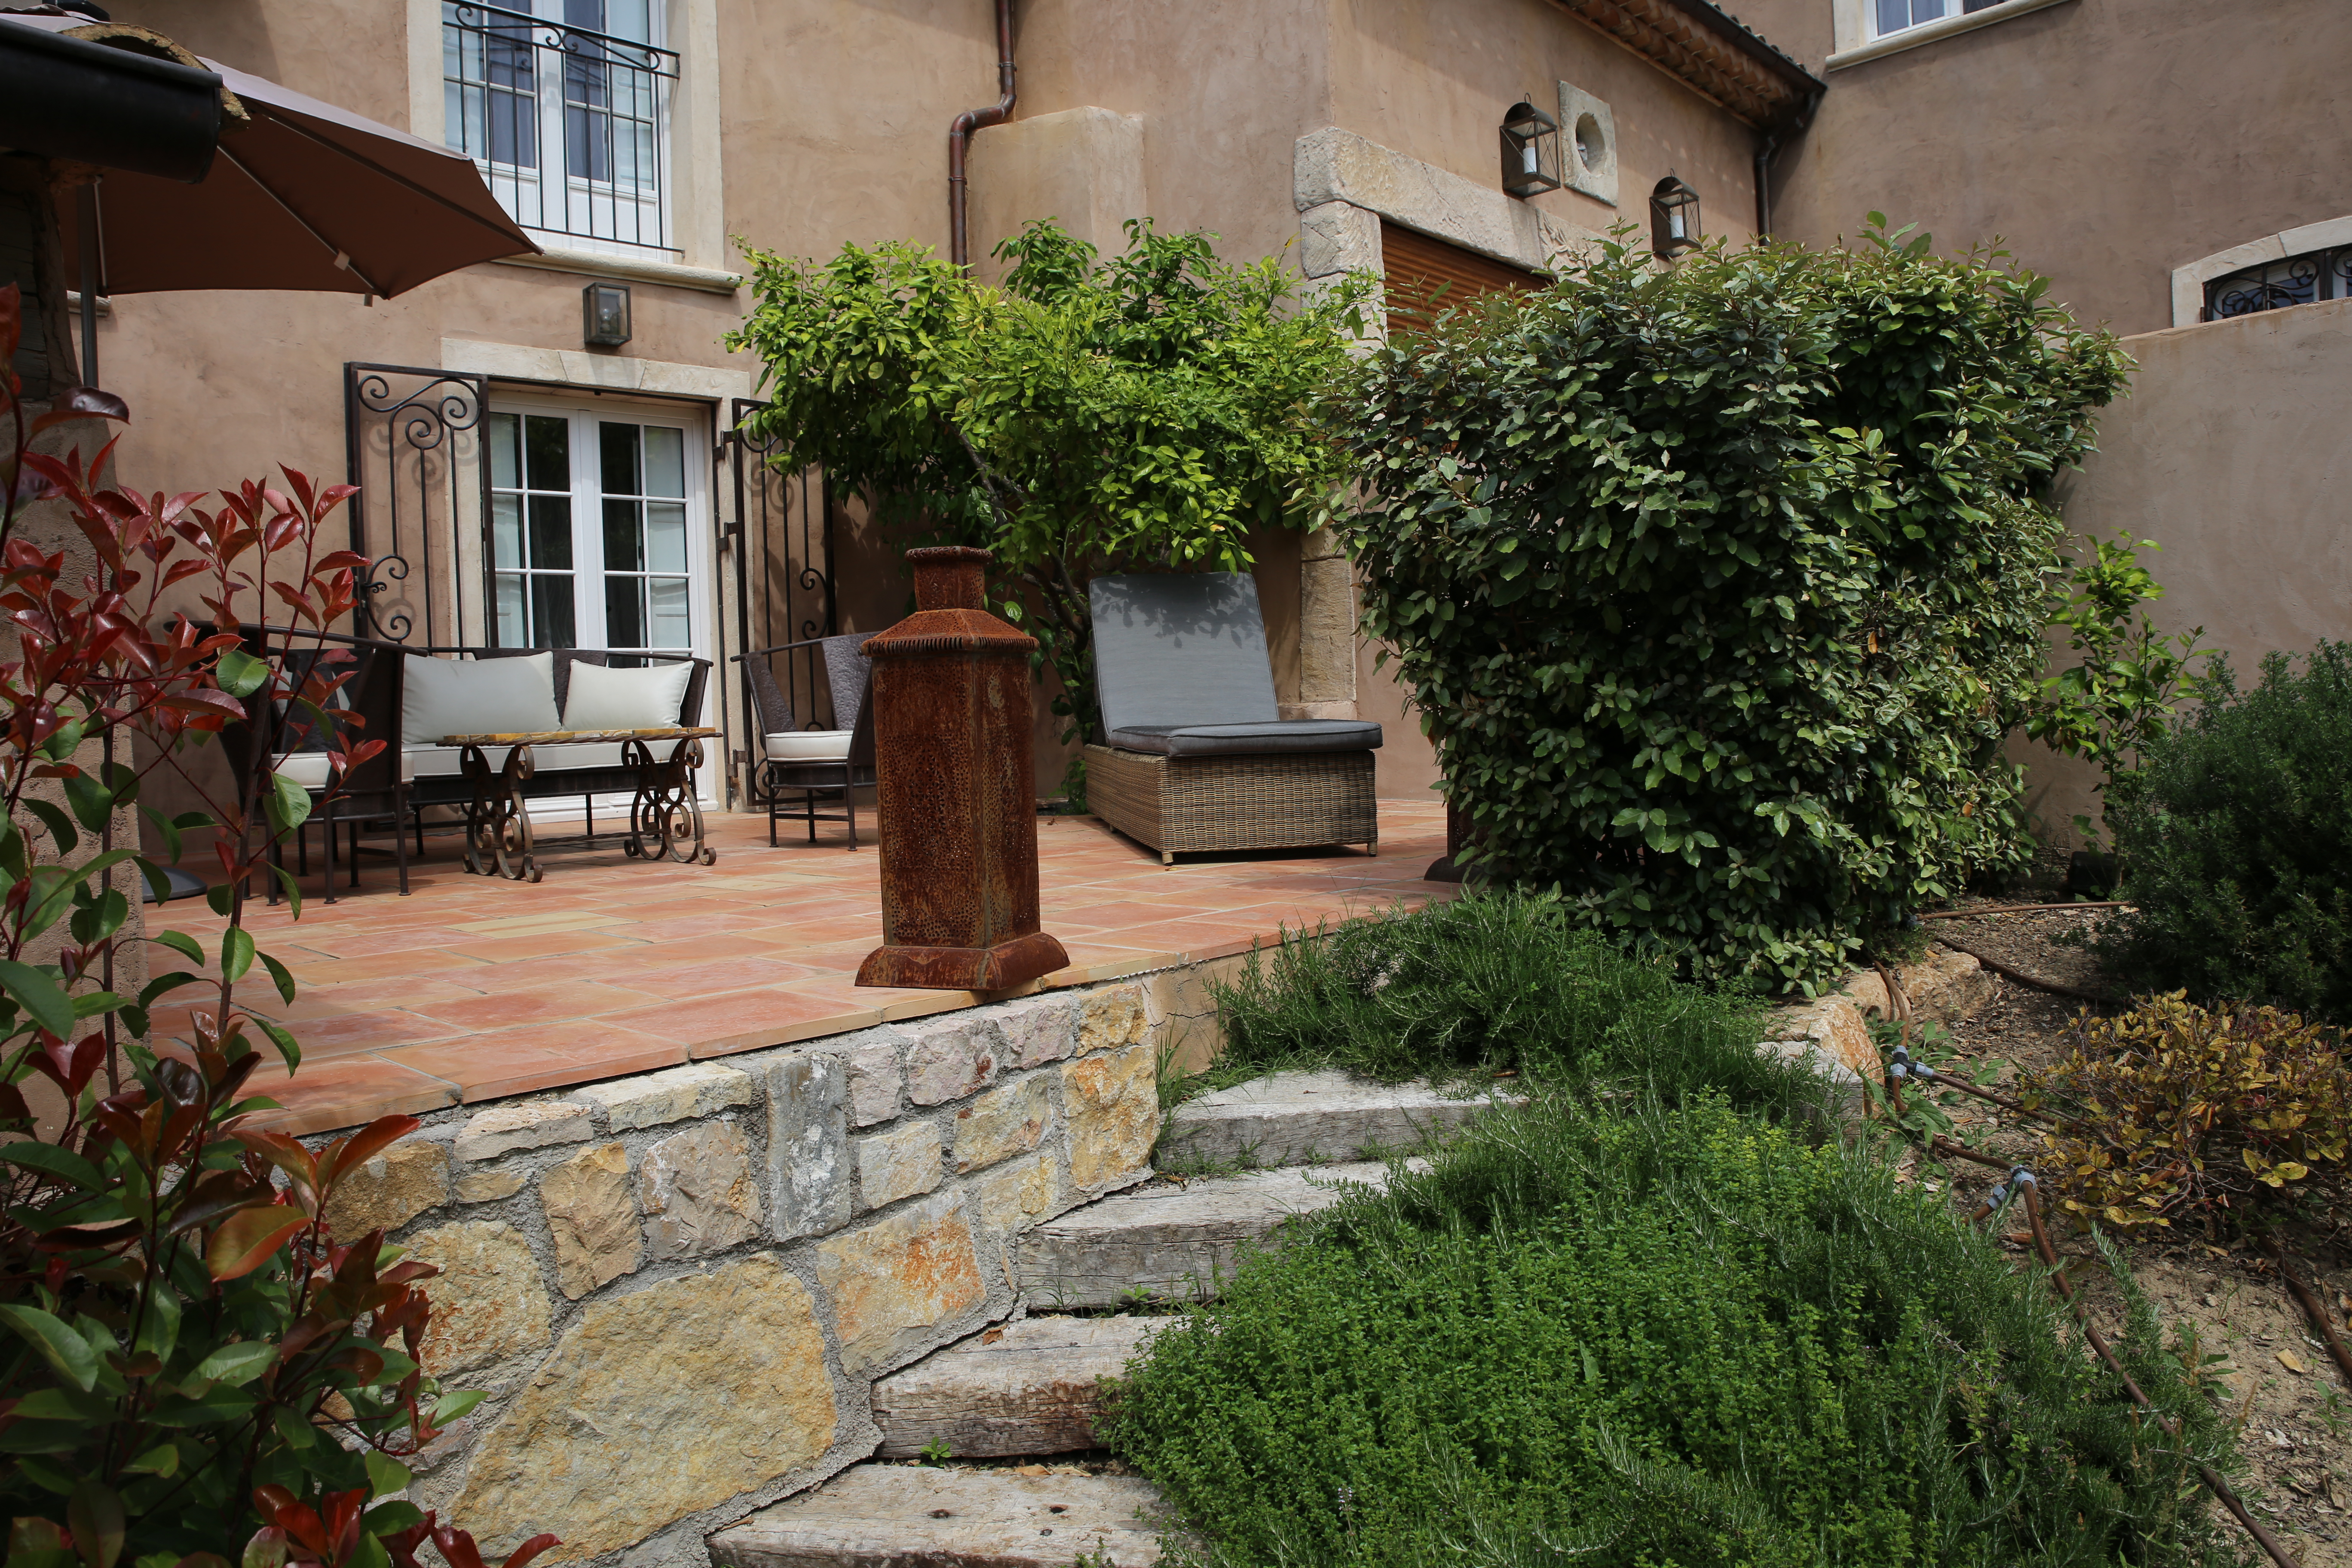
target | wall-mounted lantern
[
  {"x": 1530, "y": 150},
  {"x": 604, "y": 314},
  {"x": 1673, "y": 218}
]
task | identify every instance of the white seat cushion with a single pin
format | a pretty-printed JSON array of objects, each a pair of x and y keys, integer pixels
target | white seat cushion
[
  {"x": 444, "y": 762},
  {"x": 310, "y": 769},
  {"x": 648, "y": 698},
  {"x": 477, "y": 697},
  {"x": 808, "y": 746}
]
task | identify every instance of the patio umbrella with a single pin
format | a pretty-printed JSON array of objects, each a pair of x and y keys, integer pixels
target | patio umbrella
[{"x": 301, "y": 196}]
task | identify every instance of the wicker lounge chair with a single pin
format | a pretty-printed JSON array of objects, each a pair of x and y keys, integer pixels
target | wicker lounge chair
[{"x": 1199, "y": 758}]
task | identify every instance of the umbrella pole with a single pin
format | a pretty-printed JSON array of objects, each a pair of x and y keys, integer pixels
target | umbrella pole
[{"x": 86, "y": 204}]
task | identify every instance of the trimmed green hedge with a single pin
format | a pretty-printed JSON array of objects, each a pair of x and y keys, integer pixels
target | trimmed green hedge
[
  {"x": 2236, "y": 834},
  {"x": 1719, "y": 586}
]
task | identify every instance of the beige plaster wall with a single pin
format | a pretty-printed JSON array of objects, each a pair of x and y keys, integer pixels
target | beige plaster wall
[
  {"x": 2216, "y": 457},
  {"x": 2107, "y": 141}
]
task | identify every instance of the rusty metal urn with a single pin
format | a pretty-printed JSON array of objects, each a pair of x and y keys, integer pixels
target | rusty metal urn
[{"x": 956, "y": 789}]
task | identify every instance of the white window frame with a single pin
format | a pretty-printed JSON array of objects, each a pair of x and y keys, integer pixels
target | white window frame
[
  {"x": 1855, "y": 28},
  {"x": 588, "y": 520},
  {"x": 510, "y": 183}
]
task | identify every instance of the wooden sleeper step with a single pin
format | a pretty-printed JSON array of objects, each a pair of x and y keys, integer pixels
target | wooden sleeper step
[
  {"x": 922, "y": 1516},
  {"x": 1291, "y": 1118},
  {"x": 1030, "y": 1387}
]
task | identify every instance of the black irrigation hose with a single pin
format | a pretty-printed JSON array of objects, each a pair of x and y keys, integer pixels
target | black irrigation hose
[
  {"x": 2313, "y": 1308},
  {"x": 2024, "y": 910},
  {"x": 2019, "y": 1179},
  {"x": 2037, "y": 982}
]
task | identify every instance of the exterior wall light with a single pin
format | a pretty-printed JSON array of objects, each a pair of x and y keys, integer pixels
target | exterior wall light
[
  {"x": 1530, "y": 150},
  {"x": 1674, "y": 219},
  {"x": 604, "y": 314}
]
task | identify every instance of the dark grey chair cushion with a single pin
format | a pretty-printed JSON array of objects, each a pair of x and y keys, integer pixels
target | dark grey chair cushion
[
  {"x": 1181, "y": 648},
  {"x": 1287, "y": 737}
]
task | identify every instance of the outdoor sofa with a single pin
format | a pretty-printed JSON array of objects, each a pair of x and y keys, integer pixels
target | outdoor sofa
[{"x": 1199, "y": 757}]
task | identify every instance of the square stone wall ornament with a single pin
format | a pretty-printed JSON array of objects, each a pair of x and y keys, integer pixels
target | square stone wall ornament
[{"x": 1589, "y": 141}]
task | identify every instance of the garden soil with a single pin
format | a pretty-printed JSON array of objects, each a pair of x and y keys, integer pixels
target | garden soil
[{"x": 2291, "y": 1405}]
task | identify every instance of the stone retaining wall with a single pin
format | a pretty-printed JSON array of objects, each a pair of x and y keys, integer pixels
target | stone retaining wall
[{"x": 677, "y": 1288}]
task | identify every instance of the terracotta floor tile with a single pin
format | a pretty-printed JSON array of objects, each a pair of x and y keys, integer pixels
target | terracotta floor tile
[
  {"x": 674, "y": 975},
  {"x": 514, "y": 1005},
  {"x": 742, "y": 1020},
  {"x": 500, "y": 1062},
  {"x": 384, "y": 966},
  {"x": 346, "y": 1091}
]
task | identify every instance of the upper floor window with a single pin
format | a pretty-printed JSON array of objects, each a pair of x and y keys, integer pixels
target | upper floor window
[
  {"x": 1898, "y": 15},
  {"x": 565, "y": 105},
  {"x": 2275, "y": 285}
]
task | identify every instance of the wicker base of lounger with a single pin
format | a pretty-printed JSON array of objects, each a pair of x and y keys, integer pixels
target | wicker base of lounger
[{"x": 1184, "y": 805}]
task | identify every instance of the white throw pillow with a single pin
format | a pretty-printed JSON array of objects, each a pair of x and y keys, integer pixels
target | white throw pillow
[
  {"x": 648, "y": 698},
  {"x": 477, "y": 697}
]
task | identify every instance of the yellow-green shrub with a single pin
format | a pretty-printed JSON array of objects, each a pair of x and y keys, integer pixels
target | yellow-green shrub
[{"x": 2177, "y": 1112}]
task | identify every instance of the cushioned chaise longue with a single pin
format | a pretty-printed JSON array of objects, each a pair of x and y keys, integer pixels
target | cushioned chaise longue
[{"x": 1199, "y": 758}]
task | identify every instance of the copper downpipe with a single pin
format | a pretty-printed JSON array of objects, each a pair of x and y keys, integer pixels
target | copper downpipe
[{"x": 959, "y": 132}]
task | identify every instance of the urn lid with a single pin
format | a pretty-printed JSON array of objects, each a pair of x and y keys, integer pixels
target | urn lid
[{"x": 950, "y": 590}]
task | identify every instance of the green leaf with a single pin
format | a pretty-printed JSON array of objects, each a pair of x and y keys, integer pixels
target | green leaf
[
  {"x": 38, "y": 996},
  {"x": 237, "y": 1364},
  {"x": 279, "y": 976},
  {"x": 68, "y": 1355},
  {"x": 221, "y": 899},
  {"x": 92, "y": 803},
  {"x": 292, "y": 889},
  {"x": 32, "y": 1154},
  {"x": 61, "y": 827},
  {"x": 94, "y": 1515},
  {"x": 237, "y": 953},
  {"x": 181, "y": 943},
  {"x": 240, "y": 674},
  {"x": 287, "y": 1047},
  {"x": 289, "y": 803},
  {"x": 386, "y": 1474}
]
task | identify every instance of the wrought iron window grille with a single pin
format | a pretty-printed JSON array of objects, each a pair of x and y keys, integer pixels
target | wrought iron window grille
[
  {"x": 2275, "y": 285},
  {"x": 569, "y": 125}
]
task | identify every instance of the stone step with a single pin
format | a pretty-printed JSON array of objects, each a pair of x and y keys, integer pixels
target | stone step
[
  {"x": 1172, "y": 1242},
  {"x": 1029, "y": 1388},
  {"x": 922, "y": 1516},
  {"x": 1296, "y": 1117}
]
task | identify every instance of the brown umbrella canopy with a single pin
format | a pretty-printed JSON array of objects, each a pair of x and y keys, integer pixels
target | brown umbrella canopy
[{"x": 301, "y": 196}]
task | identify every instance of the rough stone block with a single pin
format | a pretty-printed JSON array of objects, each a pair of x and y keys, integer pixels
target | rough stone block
[
  {"x": 1038, "y": 1029},
  {"x": 897, "y": 1163},
  {"x": 1111, "y": 1017},
  {"x": 1003, "y": 1122},
  {"x": 1338, "y": 237},
  {"x": 1030, "y": 1387},
  {"x": 1326, "y": 631},
  {"x": 698, "y": 1193},
  {"x": 528, "y": 1124},
  {"x": 1176, "y": 1242},
  {"x": 656, "y": 1404},
  {"x": 900, "y": 1282},
  {"x": 1012, "y": 1197},
  {"x": 487, "y": 1302},
  {"x": 489, "y": 1186},
  {"x": 674, "y": 1094},
  {"x": 893, "y": 1515},
  {"x": 390, "y": 1190},
  {"x": 809, "y": 1169},
  {"x": 1112, "y": 1102},
  {"x": 1947, "y": 986},
  {"x": 875, "y": 1079},
  {"x": 1835, "y": 1027},
  {"x": 950, "y": 1058},
  {"x": 1291, "y": 1118},
  {"x": 591, "y": 1218}
]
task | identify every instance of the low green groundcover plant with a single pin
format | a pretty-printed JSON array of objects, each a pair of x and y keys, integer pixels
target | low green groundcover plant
[
  {"x": 1719, "y": 587},
  {"x": 1661, "y": 1337},
  {"x": 2236, "y": 835},
  {"x": 1503, "y": 982}
]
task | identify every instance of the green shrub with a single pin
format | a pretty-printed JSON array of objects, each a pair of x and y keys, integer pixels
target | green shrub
[
  {"x": 1719, "y": 586},
  {"x": 2237, "y": 843},
  {"x": 1659, "y": 1338},
  {"x": 1501, "y": 981}
]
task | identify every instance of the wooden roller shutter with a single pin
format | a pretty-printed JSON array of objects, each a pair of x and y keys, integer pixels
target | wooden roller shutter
[{"x": 1418, "y": 268}]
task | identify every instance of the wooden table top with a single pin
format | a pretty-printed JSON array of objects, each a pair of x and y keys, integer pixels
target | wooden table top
[{"x": 577, "y": 737}]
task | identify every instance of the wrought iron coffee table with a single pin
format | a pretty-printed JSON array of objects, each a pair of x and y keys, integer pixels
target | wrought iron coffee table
[{"x": 665, "y": 818}]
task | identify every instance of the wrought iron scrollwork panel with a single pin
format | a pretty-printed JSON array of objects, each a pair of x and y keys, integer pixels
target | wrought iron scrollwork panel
[
  {"x": 2275, "y": 285},
  {"x": 413, "y": 445}
]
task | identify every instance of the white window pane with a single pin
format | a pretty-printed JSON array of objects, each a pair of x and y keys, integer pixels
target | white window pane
[
  {"x": 665, "y": 461},
  {"x": 665, "y": 536},
  {"x": 505, "y": 435},
  {"x": 669, "y": 628},
  {"x": 505, "y": 530},
  {"x": 514, "y": 631}
]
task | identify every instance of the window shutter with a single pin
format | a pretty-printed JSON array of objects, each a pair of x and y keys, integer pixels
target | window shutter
[{"x": 1418, "y": 268}]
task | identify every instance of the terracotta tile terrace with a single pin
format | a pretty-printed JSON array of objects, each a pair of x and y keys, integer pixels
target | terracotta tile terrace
[{"x": 474, "y": 988}]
